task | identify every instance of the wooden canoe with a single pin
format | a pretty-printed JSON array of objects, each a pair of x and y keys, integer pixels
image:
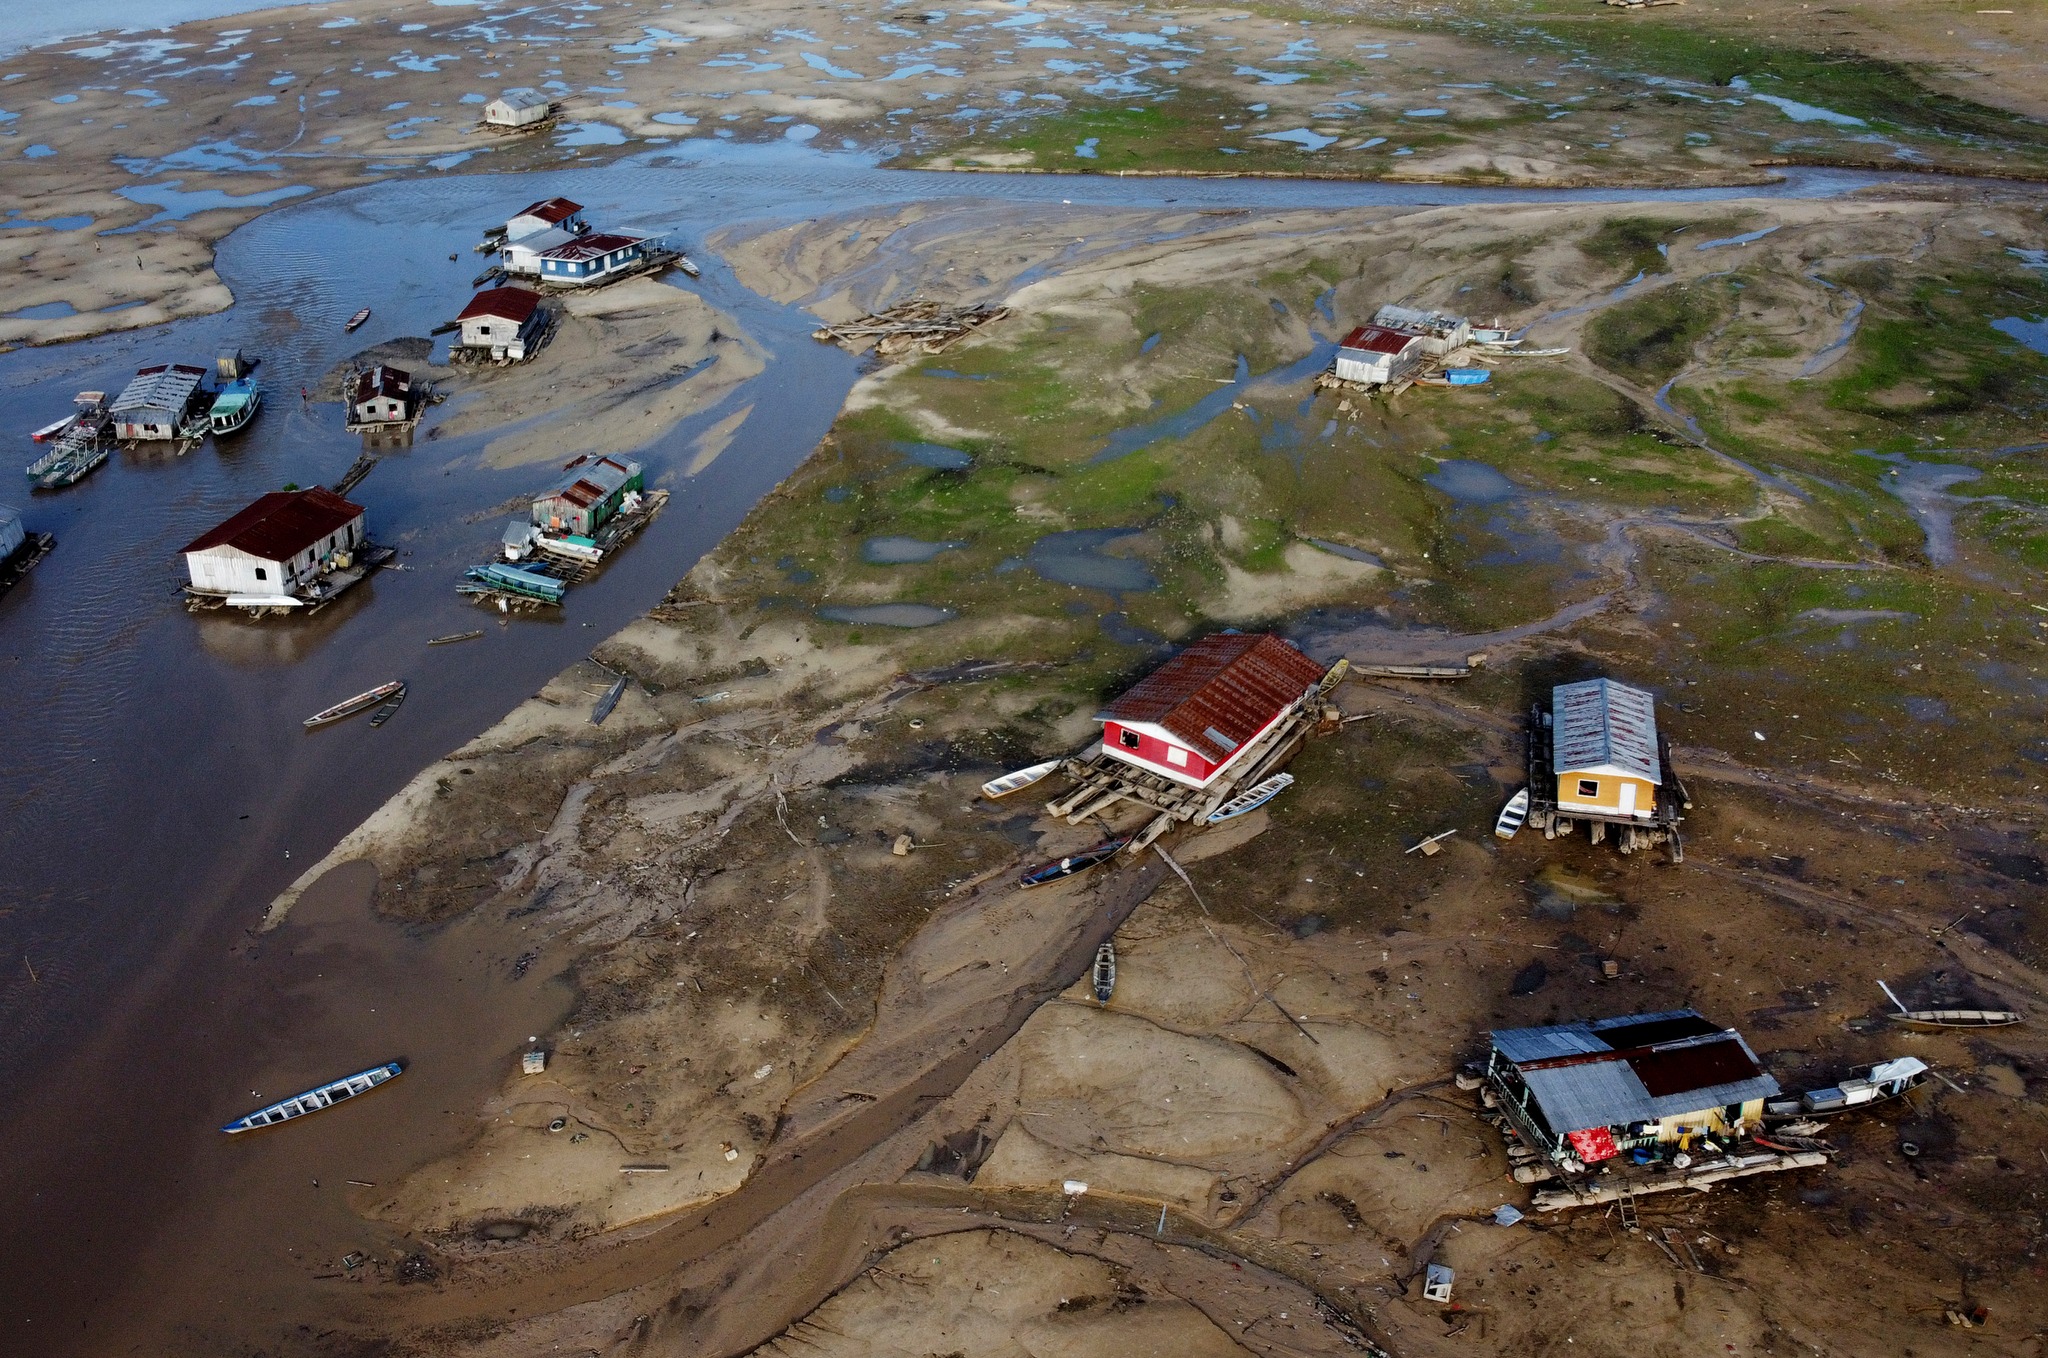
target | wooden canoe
[
  {"x": 348, "y": 707},
  {"x": 1103, "y": 977},
  {"x": 1512, "y": 815},
  {"x": 317, "y": 1099},
  {"x": 1252, "y": 798},
  {"x": 389, "y": 709},
  {"x": 1018, "y": 781},
  {"x": 609, "y": 701},
  {"x": 1074, "y": 864},
  {"x": 1935, "y": 1020},
  {"x": 355, "y": 322},
  {"x": 454, "y": 637}
]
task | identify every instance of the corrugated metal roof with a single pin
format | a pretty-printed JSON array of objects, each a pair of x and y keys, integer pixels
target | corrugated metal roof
[
  {"x": 509, "y": 304},
  {"x": 1596, "y": 1094},
  {"x": 1603, "y": 1074},
  {"x": 524, "y": 98},
  {"x": 588, "y": 479},
  {"x": 1602, "y": 726},
  {"x": 167, "y": 386},
  {"x": 592, "y": 246},
  {"x": 1541, "y": 1044},
  {"x": 1220, "y": 692},
  {"x": 1415, "y": 318},
  {"x": 550, "y": 210},
  {"x": 1379, "y": 339},
  {"x": 281, "y": 524},
  {"x": 383, "y": 380}
]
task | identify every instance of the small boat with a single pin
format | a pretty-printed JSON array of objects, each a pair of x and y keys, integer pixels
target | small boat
[
  {"x": 1074, "y": 864},
  {"x": 355, "y": 322},
  {"x": 1466, "y": 377},
  {"x": 454, "y": 637},
  {"x": 609, "y": 701},
  {"x": 389, "y": 709},
  {"x": 1018, "y": 781},
  {"x": 351, "y": 706},
  {"x": 53, "y": 428},
  {"x": 1252, "y": 798},
  {"x": 1104, "y": 976},
  {"x": 316, "y": 1100},
  {"x": 688, "y": 266},
  {"x": 236, "y": 405},
  {"x": 1934, "y": 1020},
  {"x": 1886, "y": 1080},
  {"x": 1512, "y": 815}
]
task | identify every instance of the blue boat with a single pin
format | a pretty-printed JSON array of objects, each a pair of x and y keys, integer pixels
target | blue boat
[
  {"x": 236, "y": 405},
  {"x": 517, "y": 580},
  {"x": 1466, "y": 377},
  {"x": 316, "y": 1100},
  {"x": 1075, "y": 863}
]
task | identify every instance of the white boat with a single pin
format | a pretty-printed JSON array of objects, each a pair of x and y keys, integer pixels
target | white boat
[
  {"x": 1512, "y": 815},
  {"x": 236, "y": 405},
  {"x": 1103, "y": 976},
  {"x": 316, "y": 1100},
  {"x": 348, "y": 707},
  {"x": 1252, "y": 798},
  {"x": 1018, "y": 781}
]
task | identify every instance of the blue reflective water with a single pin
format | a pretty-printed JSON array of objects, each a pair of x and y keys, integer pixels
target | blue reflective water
[
  {"x": 890, "y": 615},
  {"x": 1077, "y": 558},
  {"x": 901, "y": 551},
  {"x": 1472, "y": 483},
  {"x": 935, "y": 455}
]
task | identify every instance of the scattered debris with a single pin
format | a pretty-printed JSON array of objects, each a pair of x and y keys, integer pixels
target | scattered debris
[
  {"x": 926, "y": 327},
  {"x": 533, "y": 1063},
  {"x": 1431, "y": 847},
  {"x": 1436, "y": 1285}
]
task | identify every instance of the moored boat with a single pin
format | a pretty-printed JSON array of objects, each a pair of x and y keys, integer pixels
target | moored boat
[
  {"x": 1512, "y": 815},
  {"x": 390, "y": 707},
  {"x": 1074, "y": 864},
  {"x": 1104, "y": 974},
  {"x": 454, "y": 637},
  {"x": 235, "y": 406},
  {"x": 317, "y": 1099},
  {"x": 350, "y": 706},
  {"x": 1018, "y": 781},
  {"x": 355, "y": 322},
  {"x": 1252, "y": 798}
]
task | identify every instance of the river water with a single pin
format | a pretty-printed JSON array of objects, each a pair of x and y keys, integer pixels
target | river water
[{"x": 158, "y": 788}]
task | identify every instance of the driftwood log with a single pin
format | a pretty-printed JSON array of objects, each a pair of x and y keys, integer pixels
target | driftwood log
[{"x": 926, "y": 327}]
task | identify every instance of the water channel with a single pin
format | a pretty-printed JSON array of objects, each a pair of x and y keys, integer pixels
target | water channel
[{"x": 158, "y": 787}]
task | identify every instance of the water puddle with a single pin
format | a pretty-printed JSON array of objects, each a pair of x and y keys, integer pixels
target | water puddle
[
  {"x": 1182, "y": 423},
  {"x": 1836, "y": 347},
  {"x": 1077, "y": 558},
  {"x": 2028, "y": 331},
  {"x": 890, "y": 615},
  {"x": 43, "y": 311},
  {"x": 1743, "y": 239},
  {"x": 590, "y": 134},
  {"x": 936, "y": 455},
  {"x": 1300, "y": 136},
  {"x": 900, "y": 551},
  {"x": 1472, "y": 483},
  {"x": 1923, "y": 488}
]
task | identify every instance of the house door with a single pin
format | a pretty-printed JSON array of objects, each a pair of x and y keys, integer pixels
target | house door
[{"x": 1628, "y": 798}]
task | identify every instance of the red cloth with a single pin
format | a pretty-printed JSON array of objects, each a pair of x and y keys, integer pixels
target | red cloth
[{"x": 1593, "y": 1145}]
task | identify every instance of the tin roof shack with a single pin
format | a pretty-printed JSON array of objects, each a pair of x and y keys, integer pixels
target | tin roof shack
[
  {"x": 517, "y": 110},
  {"x": 1597, "y": 756},
  {"x": 591, "y": 491},
  {"x": 561, "y": 214},
  {"x": 280, "y": 551},
  {"x": 1201, "y": 712},
  {"x": 1442, "y": 333},
  {"x": 158, "y": 403},
  {"x": 20, "y": 550},
  {"x": 503, "y": 325},
  {"x": 382, "y": 395},
  {"x": 591, "y": 259},
  {"x": 1379, "y": 355}
]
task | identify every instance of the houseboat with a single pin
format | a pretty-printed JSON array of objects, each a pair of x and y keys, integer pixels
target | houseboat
[
  {"x": 1596, "y": 756},
  {"x": 79, "y": 444},
  {"x": 384, "y": 397},
  {"x": 598, "y": 257},
  {"x": 1196, "y": 717},
  {"x": 159, "y": 403},
  {"x": 235, "y": 406},
  {"x": 518, "y": 110},
  {"x": 291, "y": 550},
  {"x": 501, "y": 325},
  {"x": 1380, "y": 355},
  {"x": 20, "y": 550}
]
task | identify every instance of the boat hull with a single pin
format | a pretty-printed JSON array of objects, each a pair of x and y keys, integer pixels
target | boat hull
[
  {"x": 315, "y": 1100},
  {"x": 1944, "y": 1020},
  {"x": 349, "y": 707},
  {"x": 1512, "y": 815},
  {"x": 1074, "y": 864},
  {"x": 995, "y": 788}
]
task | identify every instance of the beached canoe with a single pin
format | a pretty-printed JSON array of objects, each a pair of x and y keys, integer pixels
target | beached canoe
[
  {"x": 1934, "y": 1020},
  {"x": 1252, "y": 798},
  {"x": 316, "y": 1100},
  {"x": 1074, "y": 864},
  {"x": 1104, "y": 974},
  {"x": 355, "y": 322},
  {"x": 609, "y": 701},
  {"x": 350, "y": 706},
  {"x": 1018, "y": 781},
  {"x": 1512, "y": 815}
]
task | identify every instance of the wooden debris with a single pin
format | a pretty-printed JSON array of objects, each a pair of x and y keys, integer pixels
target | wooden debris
[
  {"x": 1430, "y": 847},
  {"x": 924, "y": 327}
]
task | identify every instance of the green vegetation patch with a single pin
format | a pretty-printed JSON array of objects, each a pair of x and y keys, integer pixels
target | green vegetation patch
[{"x": 1648, "y": 339}]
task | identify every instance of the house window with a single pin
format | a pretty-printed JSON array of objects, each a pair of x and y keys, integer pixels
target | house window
[
  {"x": 262, "y": 574},
  {"x": 1128, "y": 739},
  {"x": 1589, "y": 787},
  {"x": 1176, "y": 755}
]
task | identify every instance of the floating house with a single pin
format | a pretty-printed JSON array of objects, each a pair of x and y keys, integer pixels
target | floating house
[
  {"x": 381, "y": 395},
  {"x": 1380, "y": 355},
  {"x": 592, "y": 258},
  {"x": 1197, "y": 715},
  {"x": 158, "y": 403},
  {"x": 1441, "y": 332},
  {"x": 502, "y": 323},
  {"x": 13, "y": 536},
  {"x": 1581, "y": 1093},
  {"x": 549, "y": 214},
  {"x": 20, "y": 550},
  {"x": 1596, "y": 756},
  {"x": 517, "y": 109},
  {"x": 277, "y": 551},
  {"x": 591, "y": 491}
]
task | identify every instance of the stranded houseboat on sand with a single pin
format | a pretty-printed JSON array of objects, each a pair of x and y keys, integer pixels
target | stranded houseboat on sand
[{"x": 1597, "y": 756}]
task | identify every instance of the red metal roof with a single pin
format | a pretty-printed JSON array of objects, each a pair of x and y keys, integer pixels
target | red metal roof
[
  {"x": 510, "y": 304},
  {"x": 281, "y": 524},
  {"x": 1379, "y": 339},
  {"x": 592, "y": 246},
  {"x": 1231, "y": 686},
  {"x": 552, "y": 210},
  {"x": 383, "y": 380},
  {"x": 1703, "y": 1065}
]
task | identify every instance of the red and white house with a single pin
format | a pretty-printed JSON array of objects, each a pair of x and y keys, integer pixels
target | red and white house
[
  {"x": 1380, "y": 354},
  {"x": 1197, "y": 714}
]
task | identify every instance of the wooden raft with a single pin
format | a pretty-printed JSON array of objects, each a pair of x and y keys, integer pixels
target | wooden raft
[{"x": 925, "y": 327}]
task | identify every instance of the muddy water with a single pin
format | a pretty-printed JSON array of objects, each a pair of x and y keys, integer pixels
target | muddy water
[{"x": 159, "y": 789}]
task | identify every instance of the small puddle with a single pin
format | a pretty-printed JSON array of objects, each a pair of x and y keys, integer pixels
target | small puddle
[
  {"x": 890, "y": 615},
  {"x": 176, "y": 204},
  {"x": 936, "y": 455},
  {"x": 1472, "y": 483},
  {"x": 2030, "y": 332},
  {"x": 1743, "y": 239},
  {"x": 899, "y": 551},
  {"x": 1348, "y": 553},
  {"x": 1182, "y": 423},
  {"x": 1076, "y": 557},
  {"x": 1923, "y": 488}
]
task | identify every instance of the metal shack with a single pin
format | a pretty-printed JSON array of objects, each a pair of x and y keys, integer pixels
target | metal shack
[
  {"x": 382, "y": 395},
  {"x": 591, "y": 258},
  {"x": 1379, "y": 355},
  {"x": 501, "y": 321},
  {"x": 518, "y": 108},
  {"x": 1603, "y": 744},
  {"x": 1193, "y": 717},
  {"x": 588, "y": 494},
  {"x": 1587, "y": 1092},
  {"x": 560, "y": 214},
  {"x": 158, "y": 402},
  {"x": 1441, "y": 332},
  {"x": 279, "y": 544}
]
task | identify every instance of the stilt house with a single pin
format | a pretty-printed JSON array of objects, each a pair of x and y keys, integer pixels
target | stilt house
[
  {"x": 501, "y": 322},
  {"x": 1604, "y": 754},
  {"x": 382, "y": 395},
  {"x": 1587, "y": 1092},
  {"x": 1379, "y": 355},
  {"x": 1195, "y": 716},
  {"x": 592, "y": 258}
]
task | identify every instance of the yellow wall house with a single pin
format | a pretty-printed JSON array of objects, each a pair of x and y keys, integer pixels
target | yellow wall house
[{"x": 1603, "y": 747}]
